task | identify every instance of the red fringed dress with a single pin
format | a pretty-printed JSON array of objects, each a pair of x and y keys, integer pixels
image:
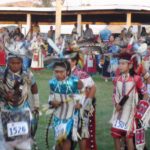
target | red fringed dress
[{"x": 88, "y": 82}]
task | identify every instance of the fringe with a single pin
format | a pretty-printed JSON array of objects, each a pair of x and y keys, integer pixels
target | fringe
[
  {"x": 146, "y": 119},
  {"x": 75, "y": 126}
]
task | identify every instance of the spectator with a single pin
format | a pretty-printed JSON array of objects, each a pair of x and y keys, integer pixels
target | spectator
[
  {"x": 105, "y": 35},
  {"x": 17, "y": 33},
  {"x": 143, "y": 32},
  {"x": 35, "y": 29},
  {"x": 74, "y": 32},
  {"x": 88, "y": 34},
  {"x": 130, "y": 32},
  {"x": 51, "y": 33}
]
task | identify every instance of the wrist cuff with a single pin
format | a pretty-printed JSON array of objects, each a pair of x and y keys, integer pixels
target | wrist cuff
[{"x": 36, "y": 101}]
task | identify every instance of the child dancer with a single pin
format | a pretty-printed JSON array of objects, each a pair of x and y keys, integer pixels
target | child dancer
[
  {"x": 64, "y": 100},
  {"x": 16, "y": 116},
  {"x": 125, "y": 99},
  {"x": 88, "y": 129}
]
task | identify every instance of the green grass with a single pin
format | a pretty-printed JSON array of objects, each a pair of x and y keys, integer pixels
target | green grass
[{"x": 103, "y": 111}]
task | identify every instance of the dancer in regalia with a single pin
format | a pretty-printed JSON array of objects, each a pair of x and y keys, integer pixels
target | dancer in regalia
[
  {"x": 125, "y": 98},
  {"x": 64, "y": 99},
  {"x": 88, "y": 128},
  {"x": 37, "y": 46},
  {"x": 16, "y": 113}
]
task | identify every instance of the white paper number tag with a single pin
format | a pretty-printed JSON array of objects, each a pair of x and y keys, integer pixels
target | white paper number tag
[
  {"x": 90, "y": 63},
  {"x": 17, "y": 128},
  {"x": 120, "y": 125},
  {"x": 60, "y": 130}
]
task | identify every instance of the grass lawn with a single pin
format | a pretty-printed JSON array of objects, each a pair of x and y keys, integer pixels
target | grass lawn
[{"x": 103, "y": 112}]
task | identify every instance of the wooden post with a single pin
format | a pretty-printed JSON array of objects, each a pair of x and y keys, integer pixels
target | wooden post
[
  {"x": 79, "y": 24},
  {"x": 58, "y": 19},
  {"x": 28, "y": 22},
  {"x": 129, "y": 19}
]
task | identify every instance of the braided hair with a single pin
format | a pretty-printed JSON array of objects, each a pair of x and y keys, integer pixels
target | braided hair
[{"x": 47, "y": 131}]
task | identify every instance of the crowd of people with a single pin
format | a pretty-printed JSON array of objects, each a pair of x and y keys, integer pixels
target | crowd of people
[{"x": 123, "y": 58}]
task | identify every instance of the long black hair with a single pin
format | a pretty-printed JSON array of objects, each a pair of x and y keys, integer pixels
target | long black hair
[
  {"x": 76, "y": 58},
  {"x": 68, "y": 68},
  {"x": 132, "y": 72}
]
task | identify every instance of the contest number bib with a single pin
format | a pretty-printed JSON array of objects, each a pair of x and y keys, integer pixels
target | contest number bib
[
  {"x": 16, "y": 124},
  {"x": 90, "y": 63},
  {"x": 17, "y": 128},
  {"x": 62, "y": 128},
  {"x": 120, "y": 125},
  {"x": 60, "y": 131}
]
